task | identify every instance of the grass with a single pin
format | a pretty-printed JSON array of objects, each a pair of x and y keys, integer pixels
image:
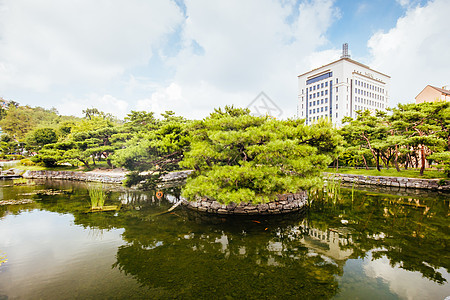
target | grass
[
  {"x": 411, "y": 173},
  {"x": 98, "y": 197},
  {"x": 99, "y": 165}
]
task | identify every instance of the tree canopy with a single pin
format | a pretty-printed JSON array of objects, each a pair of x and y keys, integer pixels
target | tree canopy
[{"x": 238, "y": 157}]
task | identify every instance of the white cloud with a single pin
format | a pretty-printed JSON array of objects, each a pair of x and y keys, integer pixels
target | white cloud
[
  {"x": 404, "y": 2},
  {"x": 226, "y": 52},
  {"x": 233, "y": 50},
  {"x": 406, "y": 284},
  {"x": 47, "y": 43},
  {"x": 415, "y": 52},
  {"x": 105, "y": 103}
]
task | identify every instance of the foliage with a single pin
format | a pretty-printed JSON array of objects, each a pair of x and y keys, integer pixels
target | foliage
[
  {"x": 444, "y": 161},
  {"x": 97, "y": 196},
  {"x": 155, "y": 149},
  {"x": 409, "y": 136},
  {"x": 241, "y": 158},
  {"x": 27, "y": 162},
  {"x": 40, "y": 137},
  {"x": 19, "y": 120}
]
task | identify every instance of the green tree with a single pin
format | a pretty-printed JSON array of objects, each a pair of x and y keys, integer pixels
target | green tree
[
  {"x": 238, "y": 157},
  {"x": 155, "y": 152},
  {"x": 367, "y": 131},
  {"x": 41, "y": 137},
  {"x": 18, "y": 122}
]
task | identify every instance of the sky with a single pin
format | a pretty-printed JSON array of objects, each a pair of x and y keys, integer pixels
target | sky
[{"x": 192, "y": 56}]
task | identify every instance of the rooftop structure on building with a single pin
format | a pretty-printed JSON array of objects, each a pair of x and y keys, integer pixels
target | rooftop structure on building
[
  {"x": 340, "y": 89},
  {"x": 433, "y": 94}
]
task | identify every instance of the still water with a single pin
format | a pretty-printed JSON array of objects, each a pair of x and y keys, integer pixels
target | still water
[{"x": 359, "y": 245}]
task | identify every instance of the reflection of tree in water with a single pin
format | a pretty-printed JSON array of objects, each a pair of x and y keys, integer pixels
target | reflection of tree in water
[
  {"x": 190, "y": 257},
  {"x": 412, "y": 233},
  {"x": 233, "y": 259}
]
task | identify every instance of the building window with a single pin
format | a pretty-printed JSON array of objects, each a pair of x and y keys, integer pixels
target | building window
[
  {"x": 321, "y": 109},
  {"x": 326, "y": 100},
  {"x": 310, "y": 88},
  {"x": 337, "y": 106},
  {"x": 336, "y": 115},
  {"x": 321, "y": 85},
  {"x": 326, "y": 92},
  {"x": 321, "y": 101},
  {"x": 326, "y": 108},
  {"x": 314, "y": 111},
  {"x": 309, "y": 111},
  {"x": 337, "y": 80},
  {"x": 337, "y": 98},
  {"x": 337, "y": 89},
  {"x": 314, "y": 87},
  {"x": 321, "y": 93},
  {"x": 326, "y": 83}
]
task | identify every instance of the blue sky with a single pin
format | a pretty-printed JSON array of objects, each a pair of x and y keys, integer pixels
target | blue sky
[{"x": 191, "y": 56}]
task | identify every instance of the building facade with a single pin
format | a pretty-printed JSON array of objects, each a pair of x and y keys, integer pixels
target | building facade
[
  {"x": 433, "y": 94},
  {"x": 340, "y": 89}
]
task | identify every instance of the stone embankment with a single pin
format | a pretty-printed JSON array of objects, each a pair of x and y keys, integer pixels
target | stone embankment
[
  {"x": 284, "y": 204},
  {"x": 401, "y": 182},
  {"x": 76, "y": 176},
  {"x": 97, "y": 176}
]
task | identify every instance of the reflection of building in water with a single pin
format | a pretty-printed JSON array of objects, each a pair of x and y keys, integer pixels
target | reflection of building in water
[
  {"x": 133, "y": 198},
  {"x": 137, "y": 198},
  {"x": 330, "y": 243}
]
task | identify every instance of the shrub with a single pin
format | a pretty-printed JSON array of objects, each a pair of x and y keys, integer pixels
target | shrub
[{"x": 27, "y": 162}]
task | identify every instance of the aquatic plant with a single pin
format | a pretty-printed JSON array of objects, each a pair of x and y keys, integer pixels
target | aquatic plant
[
  {"x": 98, "y": 197},
  {"x": 20, "y": 181},
  {"x": 329, "y": 192}
]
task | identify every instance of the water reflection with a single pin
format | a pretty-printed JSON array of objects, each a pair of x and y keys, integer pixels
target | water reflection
[
  {"x": 371, "y": 244},
  {"x": 247, "y": 259}
]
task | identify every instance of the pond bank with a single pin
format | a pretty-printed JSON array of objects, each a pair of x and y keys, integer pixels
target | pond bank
[
  {"x": 113, "y": 177},
  {"x": 116, "y": 177},
  {"x": 400, "y": 182},
  {"x": 285, "y": 203}
]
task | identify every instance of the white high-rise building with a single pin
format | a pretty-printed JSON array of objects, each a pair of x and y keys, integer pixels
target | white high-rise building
[{"x": 339, "y": 89}]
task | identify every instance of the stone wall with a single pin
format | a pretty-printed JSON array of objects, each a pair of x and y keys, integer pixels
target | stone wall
[
  {"x": 401, "y": 182},
  {"x": 77, "y": 176},
  {"x": 284, "y": 204},
  {"x": 105, "y": 177}
]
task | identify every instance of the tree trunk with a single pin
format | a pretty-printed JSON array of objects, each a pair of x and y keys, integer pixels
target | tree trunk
[
  {"x": 85, "y": 163},
  {"x": 378, "y": 161},
  {"x": 365, "y": 162},
  {"x": 422, "y": 154},
  {"x": 396, "y": 158},
  {"x": 375, "y": 157}
]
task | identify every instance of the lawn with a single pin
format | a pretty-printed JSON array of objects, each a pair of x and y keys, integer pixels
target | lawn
[
  {"x": 98, "y": 165},
  {"x": 411, "y": 173}
]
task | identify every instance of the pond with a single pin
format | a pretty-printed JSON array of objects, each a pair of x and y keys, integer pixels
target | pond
[{"x": 357, "y": 245}]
